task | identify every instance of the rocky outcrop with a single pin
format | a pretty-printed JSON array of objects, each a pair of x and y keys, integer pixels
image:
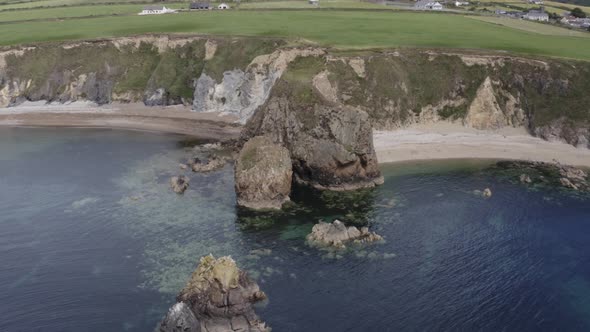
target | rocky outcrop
[
  {"x": 263, "y": 174},
  {"x": 211, "y": 163},
  {"x": 563, "y": 129},
  {"x": 337, "y": 235},
  {"x": 573, "y": 178},
  {"x": 331, "y": 146},
  {"x": 552, "y": 174},
  {"x": 179, "y": 184},
  {"x": 219, "y": 296}
]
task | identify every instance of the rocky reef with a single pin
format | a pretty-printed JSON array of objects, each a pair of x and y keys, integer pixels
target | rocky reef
[
  {"x": 217, "y": 298},
  {"x": 337, "y": 235},
  {"x": 263, "y": 174},
  {"x": 553, "y": 174},
  {"x": 211, "y": 163}
]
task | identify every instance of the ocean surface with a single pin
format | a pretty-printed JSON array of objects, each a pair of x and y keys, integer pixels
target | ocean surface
[{"x": 93, "y": 239}]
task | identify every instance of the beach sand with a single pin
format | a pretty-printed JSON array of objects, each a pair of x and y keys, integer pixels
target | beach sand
[
  {"x": 170, "y": 119},
  {"x": 453, "y": 141}
]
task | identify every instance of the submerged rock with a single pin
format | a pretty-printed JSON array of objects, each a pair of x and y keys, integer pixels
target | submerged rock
[
  {"x": 572, "y": 173},
  {"x": 179, "y": 184},
  {"x": 220, "y": 296},
  {"x": 568, "y": 183},
  {"x": 524, "y": 178},
  {"x": 263, "y": 174},
  {"x": 212, "y": 163},
  {"x": 336, "y": 234},
  {"x": 486, "y": 193}
]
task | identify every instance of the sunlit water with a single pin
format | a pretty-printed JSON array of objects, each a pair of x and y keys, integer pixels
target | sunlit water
[{"x": 92, "y": 239}]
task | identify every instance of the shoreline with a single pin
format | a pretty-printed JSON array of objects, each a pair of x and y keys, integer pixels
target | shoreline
[
  {"x": 436, "y": 141},
  {"x": 170, "y": 119}
]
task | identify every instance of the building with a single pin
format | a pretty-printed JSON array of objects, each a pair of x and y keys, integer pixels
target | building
[
  {"x": 536, "y": 2},
  {"x": 223, "y": 6},
  {"x": 575, "y": 22},
  {"x": 461, "y": 3},
  {"x": 536, "y": 15},
  {"x": 156, "y": 10},
  {"x": 428, "y": 5},
  {"x": 314, "y": 2},
  {"x": 200, "y": 5}
]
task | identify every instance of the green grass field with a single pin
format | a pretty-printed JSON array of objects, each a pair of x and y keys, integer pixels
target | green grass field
[
  {"x": 59, "y": 3},
  {"x": 534, "y": 27},
  {"x": 69, "y": 12},
  {"x": 304, "y": 4},
  {"x": 343, "y": 29}
]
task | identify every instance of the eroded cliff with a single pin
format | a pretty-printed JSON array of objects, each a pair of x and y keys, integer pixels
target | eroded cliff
[{"x": 318, "y": 103}]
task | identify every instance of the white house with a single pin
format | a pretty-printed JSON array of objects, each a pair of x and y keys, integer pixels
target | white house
[
  {"x": 428, "y": 5},
  {"x": 223, "y": 6},
  {"x": 156, "y": 10},
  {"x": 536, "y": 15},
  {"x": 461, "y": 3}
]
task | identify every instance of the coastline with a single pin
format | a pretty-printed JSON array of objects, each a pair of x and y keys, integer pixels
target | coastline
[
  {"x": 434, "y": 141},
  {"x": 170, "y": 119}
]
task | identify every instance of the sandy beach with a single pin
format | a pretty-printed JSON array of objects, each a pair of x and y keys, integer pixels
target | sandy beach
[
  {"x": 453, "y": 141},
  {"x": 170, "y": 119},
  {"x": 419, "y": 142}
]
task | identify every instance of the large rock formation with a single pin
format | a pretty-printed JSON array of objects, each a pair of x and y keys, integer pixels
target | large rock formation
[
  {"x": 331, "y": 146},
  {"x": 263, "y": 174},
  {"x": 219, "y": 297}
]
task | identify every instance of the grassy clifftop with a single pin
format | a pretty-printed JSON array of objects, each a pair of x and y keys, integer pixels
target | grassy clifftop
[{"x": 340, "y": 29}]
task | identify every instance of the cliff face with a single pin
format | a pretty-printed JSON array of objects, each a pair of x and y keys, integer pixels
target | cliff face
[{"x": 244, "y": 76}]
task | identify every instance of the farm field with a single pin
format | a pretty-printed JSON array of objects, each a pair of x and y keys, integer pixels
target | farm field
[
  {"x": 11, "y": 5},
  {"x": 72, "y": 11},
  {"x": 341, "y": 29},
  {"x": 534, "y": 27},
  {"x": 303, "y": 4}
]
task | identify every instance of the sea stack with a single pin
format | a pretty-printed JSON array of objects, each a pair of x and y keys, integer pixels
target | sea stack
[{"x": 217, "y": 298}]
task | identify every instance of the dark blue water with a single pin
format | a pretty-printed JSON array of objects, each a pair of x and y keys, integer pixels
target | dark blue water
[{"x": 92, "y": 239}]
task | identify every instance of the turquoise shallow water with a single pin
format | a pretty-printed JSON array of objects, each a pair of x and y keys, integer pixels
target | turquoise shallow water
[{"x": 92, "y": 239}]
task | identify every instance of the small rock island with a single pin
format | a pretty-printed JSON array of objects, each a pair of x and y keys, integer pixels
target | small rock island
[{"x": 218, "y": 297}]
